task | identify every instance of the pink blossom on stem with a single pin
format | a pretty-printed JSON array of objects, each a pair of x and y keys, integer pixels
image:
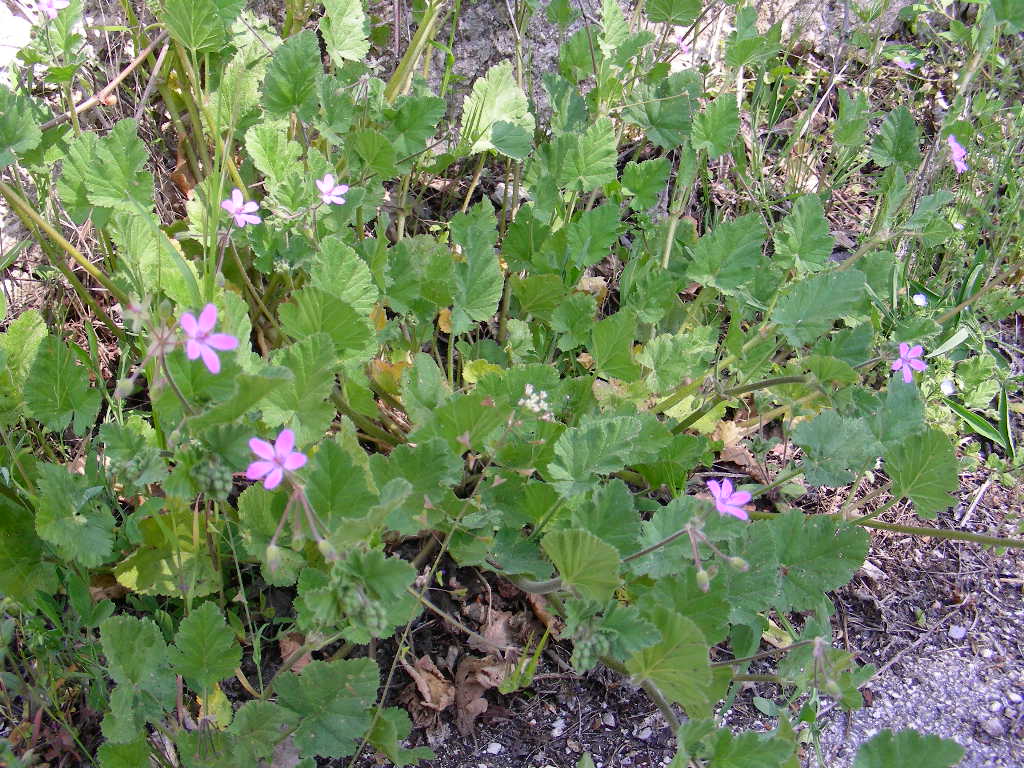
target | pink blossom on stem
[
  {"x": 909, "y": 361},
  {"x": 49, "y": 8},
  {"x": 331, "y": 193},
  {"x": 243, "y": 212},
  {"x": 201, "y": 342},
  {"x": 275, "y": 459},
  {"x": 958, "y": 153},
  {"x": 727, "y": 500},
  {"x": 903, "y": 64},
  {"x": 680, "y": 40}
]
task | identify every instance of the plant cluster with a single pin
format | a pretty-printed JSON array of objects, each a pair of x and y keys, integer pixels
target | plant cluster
[{"x": 332, "y": 380}]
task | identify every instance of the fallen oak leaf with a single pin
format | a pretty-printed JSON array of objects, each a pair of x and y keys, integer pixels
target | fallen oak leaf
[
  {"x": 473, "y": 678},
  {"x": 436, "y": 692}
]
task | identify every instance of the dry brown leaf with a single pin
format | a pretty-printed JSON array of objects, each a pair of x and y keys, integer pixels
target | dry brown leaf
[
  {"x": 289, "y": 644},
  {"x": 444, "y": 320},
  {"x": 473, "y": 678},
  {"x": 435, "y": 691},
  {"x": 495, "y": 634},
  {"x": 735, "y": 452},
  {"x": 595, "y": 286},
  {"x": 552, "y": 623},
  {"x": 103, "y": 586}
]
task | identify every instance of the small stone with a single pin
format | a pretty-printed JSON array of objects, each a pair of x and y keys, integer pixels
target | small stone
[
  {"x": 609, "y": 719},
  {"x": 1015, "y": 697},
  {"x": 558, "y": 728},
  {"x": 995, "y": 706},
  {"x": 645, "y": 734},
  {"x": 986, "y": 653},
  {"x": 993, "y": 727},
  {"x": 957, "y": 632},
  {"x": 1010, "y": 713},
  {"x": 494, "y": 748}
]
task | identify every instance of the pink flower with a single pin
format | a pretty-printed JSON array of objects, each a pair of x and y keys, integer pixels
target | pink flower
[
  {"x": 680, "y": 40},
  {"x": 958, "y": 153},
  {"x": 330, "y": 192},
  {"x": 909, "y": 361},
  {"x": 50, "y": 7},
  {"x": 728, "y": 501},
  {"x": 199, "y": 340},
  {"x": 244, "y": 212},
  {"x": 903, "y": 64},
  {"x": 276, "y": 459}
]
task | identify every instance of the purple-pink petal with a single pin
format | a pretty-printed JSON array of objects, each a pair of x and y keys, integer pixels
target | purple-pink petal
[
  {"x": 225, "y": 342},
  {"x": 734, "y": 511},
  {"x": 904, "y": 349},
  {"x": 236, "y": 198},
  {"x": 715, "y": 488},
  {"x": 294, "y": 461},
  {"x": 916, "y": 350},
  {"x": 726, "y": 488},
  {"x": 907, "y": 375},
  {"x": 207, "y": 318},
  {"x": 262, "y": 448},
  {"x": 284, "y": 444},
  {"x": 739, "y": 498},
  {"x": 193, "y": 349},
  {"x": 259, "y": 469},
  {"x": 917, "y": 365},
  {"x": 274, "y": 479},
  {"x": 188, "y": 324},
  {"x": 897, "y": 363},
  {"x": 210, "y": 359}
]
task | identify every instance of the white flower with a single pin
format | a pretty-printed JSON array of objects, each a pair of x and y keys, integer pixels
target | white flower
[
  {"x": 537, "y": 401},
  {"x": 948, "y": 387},
  {"x": 920, "y": 299}
]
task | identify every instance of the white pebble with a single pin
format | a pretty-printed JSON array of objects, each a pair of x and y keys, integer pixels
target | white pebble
[{"x": 494, "y": 748}]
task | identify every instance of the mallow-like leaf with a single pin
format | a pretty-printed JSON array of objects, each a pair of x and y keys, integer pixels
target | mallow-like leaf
[
  {"x": 585, "y": 564},
  {"x": 205, "y": 650}
]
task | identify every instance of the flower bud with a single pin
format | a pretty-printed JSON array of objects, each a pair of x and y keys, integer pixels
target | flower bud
[
  {"x": 327, "y": 550},
  {"x": 739, "y": 564},
  {"x": 273, "y": 557},
  {"x": 703, "y": 580}
]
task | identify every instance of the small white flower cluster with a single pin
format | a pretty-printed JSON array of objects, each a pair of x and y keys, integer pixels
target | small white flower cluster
[{"x": 537, "y": 401}]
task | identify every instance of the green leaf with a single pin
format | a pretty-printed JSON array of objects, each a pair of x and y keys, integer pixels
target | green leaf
[
  {"x": 411, "y": 122},
  {"x": 333, "y": 702},
  {"x": 133, "y": 754},
  {"x": 924, "y": 469},
  {"x": 612, "y": 347},
  {"x": 23, "y": 571},
  {"x": 133, "y": 444},
  {"x": 678, "y": 664},
  {"x": 599, "y": 446},
  {"x": 898, "y": 141},
  {"x": 573, "y": 320},
  {"x": 590, "y": 236},
  {"x": 249, "y": 391},
  {"x": 57, "y": 389},
  {"x": 680, "y": 591},
  {"x": 836, "y": 448},
  {"x": 19, "y": 345},
  {"x": 676, "y": 12},
  {"x": 1012, "y": 12},
  {"x": 272, "y": 152},
  {"x": 339, "y": 271},
  {"x": 478, "y": 280},
  {"x": 888, "y": 749},
  {"x": 18, "y": 131},
  {"x": 645, "y": 182},
  {"x": 205, "y": 651},
  {"x": 258, "y": 727},
  {"x": 815, "y": 555},
  {"x": 716, "y": 127},
  {"x": 338, "y": 489},
  {"x": 729, "y": 256},
  {"x": 152, "y": 260},
  {"x": 423, "y": 388},
  {"x": 465, "y": 422},
  {"x": 375, "y": 150},
  {"x": 585, "y": 564},
  {"x": 137, "y": 661},
  {"x": 71, "y": 516},
  {"x": 391, "y": 728},
  {"x": 200, "y": 25},
  {"x": 609, "y": 514},
  {"x": 431, "y": 467},
  {"x": 802, "y": 240},
  {"x": 808, "y": 309},
  {"x": 344, "y": 26},
  {"x": 851, "y": 126},
  {"x": 312, "y": 311},
  {"x": 590, "y": 158},
  {"x": 293, "y": 77},
  {"x": 496, "y": 97},
  {"x": 300, "y": 403},
  {"x": 106, "y": 172}
]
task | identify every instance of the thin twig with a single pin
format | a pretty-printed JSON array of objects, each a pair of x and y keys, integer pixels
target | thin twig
[{"x": 102, "y": 95}]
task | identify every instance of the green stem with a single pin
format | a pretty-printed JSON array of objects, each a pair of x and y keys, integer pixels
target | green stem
[
  {"x": 762, "y": 655},
  {"x": 732, "y": 392},
  {"x": 24, "y": 209},
  {"x": 779, "y": 480}
]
